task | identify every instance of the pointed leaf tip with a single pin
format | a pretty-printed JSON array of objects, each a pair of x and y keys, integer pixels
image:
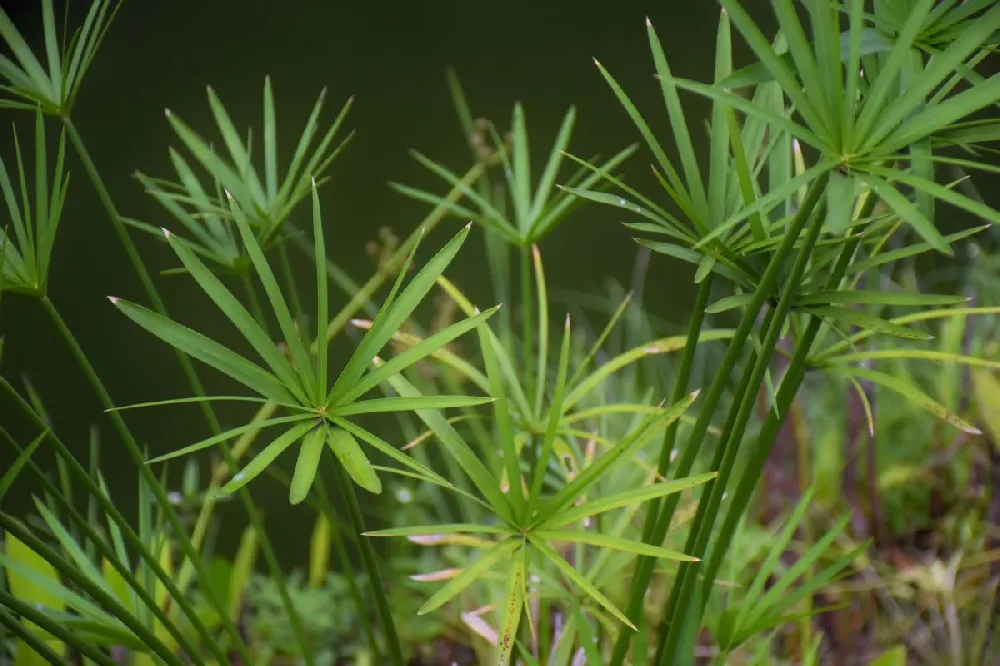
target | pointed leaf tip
[
  {"x": 113, "y": 299},
  {"x": 166, "y": 112},
  {"x": 649, "y": 24},
  {"x": 566, "y": 325},
  {"x": 229, "y": 195},
  {"x": 469, "y": 225},
  {"x": 166, "y": 232},
  {"x": 694, "y": 394}
]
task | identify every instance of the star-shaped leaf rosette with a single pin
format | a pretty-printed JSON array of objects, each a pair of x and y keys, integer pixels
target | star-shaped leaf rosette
[{"x": 320, "y": 409}]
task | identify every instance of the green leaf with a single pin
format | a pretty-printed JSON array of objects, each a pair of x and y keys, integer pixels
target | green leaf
[
  {"x": 552, "y": 426},
  {"x": 877, "y": 297},
  {"x": 916, "y": 355},
  {"x": 624, "y": 499},
  {"x": 911, "y": 393},
  {"x": 729, "y": 302},
  {"x": 420, "y": 470},
  {"x": 207, "y": 351},
  {"x": 253, "y": 426},
  {"x": 454, "y": 587},
  {"x": 414, "y": 354},
  {"x": 986, "y": 389},
  {"x": 454, "y": 446},
  {"x": 578, "y": 579},
  {"x": 389, "y": 321},
  {"x": 237, "y": 151},
  {"x": 684, "y": 199},
  {"x": 407, "y": 404},
  {"x": 583, "y": 387},
  {"x": 521, "y": 171},
  {"x": 353, "y": 459},
  {"x": 909, "y": 250},
  {"x": 322, "y": 304},
  {"x": 9, "y": 476},
  {"x": 293, "y": 337},
  {"x": 499, "y": 221},
  {"x": 869, "y": 321},
  {"x": 270, "y": 453},
  {"x": 432, "y": 530},
  {"x": 306, "y": 465},
  {"x": 513, "y": 605},
  {"x": 222, "y": 172},
  {"x": 678, "y": 126},
  {"x": 243, "y": 564},
  {"x": 613, "y": 542},
  {"x": 552, "y": 166},
  {"x": 908, "y": 212},
  {"x": 592, "y": 473},
  {"x": 271, "y": 145}
]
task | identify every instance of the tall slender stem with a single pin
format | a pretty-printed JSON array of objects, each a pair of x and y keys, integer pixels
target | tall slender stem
[
  {"x": 192, "y": 377},
  {"x": 645, "y": 565},
  {"x": 90, "y": 536},
  {"x": 137, "y": 456},
  {"x": 255, "y": 309},
  {"x": 133, "y": 256},
  {"x": 115, "y": 516},
  {"x": 772, "y": 425},
  {"x": 708, "y": 506},
  {"x": 714, "y": 394},
  {"x": 100, "y": 594},
  {"x": 346, "y": 486}
]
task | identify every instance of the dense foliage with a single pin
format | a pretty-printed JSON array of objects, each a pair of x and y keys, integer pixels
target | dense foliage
[{"x": 808, "y": 474}]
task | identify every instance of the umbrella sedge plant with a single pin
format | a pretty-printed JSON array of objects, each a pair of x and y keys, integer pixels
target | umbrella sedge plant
[
  {"x": 829, "y": 152},
  {"x": 821, "y": 172},
  {"x": 321, "y": 409}
]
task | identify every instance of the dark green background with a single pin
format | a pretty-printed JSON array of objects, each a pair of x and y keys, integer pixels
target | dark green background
[{"x": 392, "y": 56}]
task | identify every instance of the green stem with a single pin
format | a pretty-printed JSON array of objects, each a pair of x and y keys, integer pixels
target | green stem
[
  {"x": 118, "y": 519},
  {"x": 196, "y": 386},
  {"x": 805, "y": 475},
  {"x": 144, "y": 470},
  {"x": 646, "y": 565},
  {"x": 133, "y": 256},
  {"x": 121, "y": 567},
  {"x": 57, "y": 629},
  {"x": 255, "y": 309},
  {"x": 103, "y": 598},
  {"x": 640, "y": 581},
  {"x": 772, "y": 425},
  {"x": 708, "y": 509},
  {"x": 370, "y": 560},
  {"x": 293, "y": 292},
  {"x": 680, "y": 390},
  {"x": 30, "y": 638}
]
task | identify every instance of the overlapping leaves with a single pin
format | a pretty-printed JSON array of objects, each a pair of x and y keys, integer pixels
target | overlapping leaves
[
  {"x": 267, "y": 200},
  {"x": 53, "y": 86},
  {"x": 27, "y": 239},
  {"x": 520, "y": 468},
  {"x": 320, "y": 412},
  {"x": 537, "y": 209}
]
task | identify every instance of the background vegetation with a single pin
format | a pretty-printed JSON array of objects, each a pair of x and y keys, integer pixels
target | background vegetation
[{"x": 870, "y": 526}]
